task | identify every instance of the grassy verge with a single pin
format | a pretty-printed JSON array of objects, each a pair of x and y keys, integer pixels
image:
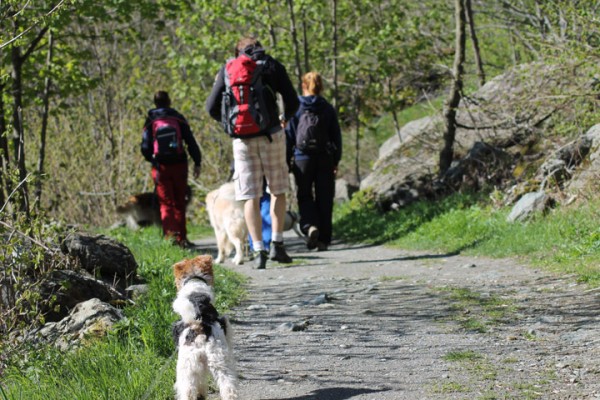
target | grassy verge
[
  {"x": 565, "y": 240},
  {"x": 135, "y": 361}
]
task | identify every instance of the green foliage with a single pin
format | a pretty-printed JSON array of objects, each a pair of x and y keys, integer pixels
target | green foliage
[
  {"x": 28, "y": 258},
  {"x": 108, "y": 59}
]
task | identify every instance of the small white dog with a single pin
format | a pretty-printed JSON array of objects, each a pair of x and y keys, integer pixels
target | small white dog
[
  {"x": 227, "y": 219},
  {"x": 203, "y": 338}
]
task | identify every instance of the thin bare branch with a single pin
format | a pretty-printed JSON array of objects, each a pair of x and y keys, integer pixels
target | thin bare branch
[
  {"x": 42, "y": 245},
  {"x": 36, "y": 23}
]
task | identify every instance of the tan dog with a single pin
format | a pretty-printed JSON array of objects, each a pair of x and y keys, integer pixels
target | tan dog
[
  {"x": 202, "y": 336},
  {"x": 140, "y": 210},
  {"x": 143, "y": 210},
  {"x": 227, "y": 219}
]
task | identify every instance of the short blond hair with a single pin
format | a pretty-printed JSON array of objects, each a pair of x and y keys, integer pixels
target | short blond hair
[
  {"x": 313, "y": 83},
  {"x": 244, "y": 42}
]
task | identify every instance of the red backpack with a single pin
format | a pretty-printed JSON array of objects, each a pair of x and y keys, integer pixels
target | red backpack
[
  {"x": 166, "y": 137},
  {"x": 244, "y": 108}
]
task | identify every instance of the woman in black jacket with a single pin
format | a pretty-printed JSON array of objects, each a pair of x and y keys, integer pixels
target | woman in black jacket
[{"x": 315, "y": 144}]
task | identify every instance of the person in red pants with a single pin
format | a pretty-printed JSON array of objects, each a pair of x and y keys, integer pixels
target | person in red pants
[{"x": 165, "y": 137}]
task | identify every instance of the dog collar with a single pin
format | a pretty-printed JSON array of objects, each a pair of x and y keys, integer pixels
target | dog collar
[{"x": 195, "y": 278}]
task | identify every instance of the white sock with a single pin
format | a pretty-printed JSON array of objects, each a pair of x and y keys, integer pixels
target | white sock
[
  {"x": 277, "y": 237},
  {"x": 258, "y": 246}
]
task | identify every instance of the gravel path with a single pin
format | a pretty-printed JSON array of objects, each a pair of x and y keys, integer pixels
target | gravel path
[{"x": 368, "y": 322}]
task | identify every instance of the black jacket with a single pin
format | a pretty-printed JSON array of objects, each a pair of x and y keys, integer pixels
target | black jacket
[
  {"x": 275, "y": 75},
  {"x": 186, "y": 136},
  {"x": 322, "y": 106}
]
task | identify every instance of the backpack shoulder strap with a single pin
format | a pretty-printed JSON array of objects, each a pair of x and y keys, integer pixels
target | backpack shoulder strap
[
  {"x": 258, "y": 72},
  {"x": 226, "y": 74}
]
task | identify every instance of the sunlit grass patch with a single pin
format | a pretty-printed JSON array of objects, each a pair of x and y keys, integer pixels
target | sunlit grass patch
[{"x": 565, "y": 240}]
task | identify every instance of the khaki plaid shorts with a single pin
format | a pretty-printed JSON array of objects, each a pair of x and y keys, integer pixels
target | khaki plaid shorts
[{"x": 258, "y": 157}]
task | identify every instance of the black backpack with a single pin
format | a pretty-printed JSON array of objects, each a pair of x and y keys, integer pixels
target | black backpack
[{"x": 312, "y": 136}]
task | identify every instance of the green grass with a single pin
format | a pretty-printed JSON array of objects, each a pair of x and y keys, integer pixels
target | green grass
[
  {"x": 477, "y": 312},
  {"x": 136, "y": 360},
  {"x": 466, "y": 355},
  {"x": 566, "y": 240},
  {"x": 451, "y": 387}
]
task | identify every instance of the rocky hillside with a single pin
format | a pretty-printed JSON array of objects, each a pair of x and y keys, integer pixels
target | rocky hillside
[{"x": 531, "y": 129}]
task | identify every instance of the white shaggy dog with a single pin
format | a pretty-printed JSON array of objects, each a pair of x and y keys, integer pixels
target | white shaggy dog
[
  {"x": 203, "y": 338},
  {"x": 227, "y": 219}
]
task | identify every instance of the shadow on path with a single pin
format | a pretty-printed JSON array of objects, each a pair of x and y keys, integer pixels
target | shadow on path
[
  {"x": 405, "y": 258},
  {"x": 332, "y": 394}
]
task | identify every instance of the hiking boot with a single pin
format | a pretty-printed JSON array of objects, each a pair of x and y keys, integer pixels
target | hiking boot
[
  {"x": 260, "y": 259},
  {"x": 321, "y": 246},
  {"x": 183, "y": 243},
  {"x": 313, "y": 237},
  {"x": 278, "y": 253}
]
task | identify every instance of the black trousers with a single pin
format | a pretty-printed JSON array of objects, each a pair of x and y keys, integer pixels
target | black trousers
[{"x": 316, "y": 189}]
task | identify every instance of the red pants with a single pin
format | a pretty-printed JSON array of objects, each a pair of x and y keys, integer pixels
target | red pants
[{"x": 171, "y": 184}]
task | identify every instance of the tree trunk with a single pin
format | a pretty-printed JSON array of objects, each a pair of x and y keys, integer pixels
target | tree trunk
[
  {"x": 305, "y": 40},
  {"x": 18, "y": 137},
  {"x": 46, "y": 99},
  {"x": 335, "y": 55},
  {"x": 393, "y": 108},
  {"x": 475, "y": 42},
  {"x": 357, "y": 138},
  {"x": 4, "y": 152},
  {"x": 296, "y": 45},
  {"x": 447, "y": 153},
  {"x": 272, "y": 35}
]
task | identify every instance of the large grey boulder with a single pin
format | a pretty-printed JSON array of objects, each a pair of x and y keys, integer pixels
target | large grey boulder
[
  {"x": 508, "y": 114},
  {"x": 103, "y": 257},
  {"x": 528, "y": 205},
  {"x": 483, "y": 165},
  {"x": 588, "y": 175},
  {"x": 559, "y": 167},
  {"x": 407, "y": 133},
  {"x": 88, "y": 320},
  {"x": 405, "y": 174},
  {"x": 72, "y": 288}
]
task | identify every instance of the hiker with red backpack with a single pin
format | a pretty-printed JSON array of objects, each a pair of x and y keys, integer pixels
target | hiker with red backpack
[
  {"x": 243, "y": 99},
  {"x": 164, "y": 134},
  {"x": 315, "y": 145}
]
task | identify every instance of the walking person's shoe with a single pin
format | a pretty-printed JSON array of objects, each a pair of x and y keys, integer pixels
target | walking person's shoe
[
  {"x": 260, "y": 259},
  {"x": 321, "y": 246},
  {"x": 313, "y": 237},
  {"x": 278, "y": 253}
]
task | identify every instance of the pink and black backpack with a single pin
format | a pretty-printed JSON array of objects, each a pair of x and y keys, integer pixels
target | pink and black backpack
[{"x": 166, "y": 138}]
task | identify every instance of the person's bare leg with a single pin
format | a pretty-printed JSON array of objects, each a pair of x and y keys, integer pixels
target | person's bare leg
[
  {"x": 278, "y": 252},
  {"x": 253, "y": 219},
  {"x": 254, "y": 224},
  {"x": 278, "y": 212}
]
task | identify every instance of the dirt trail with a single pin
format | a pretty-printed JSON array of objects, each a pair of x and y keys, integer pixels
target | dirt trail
[{"x": 368, "y": 322}]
